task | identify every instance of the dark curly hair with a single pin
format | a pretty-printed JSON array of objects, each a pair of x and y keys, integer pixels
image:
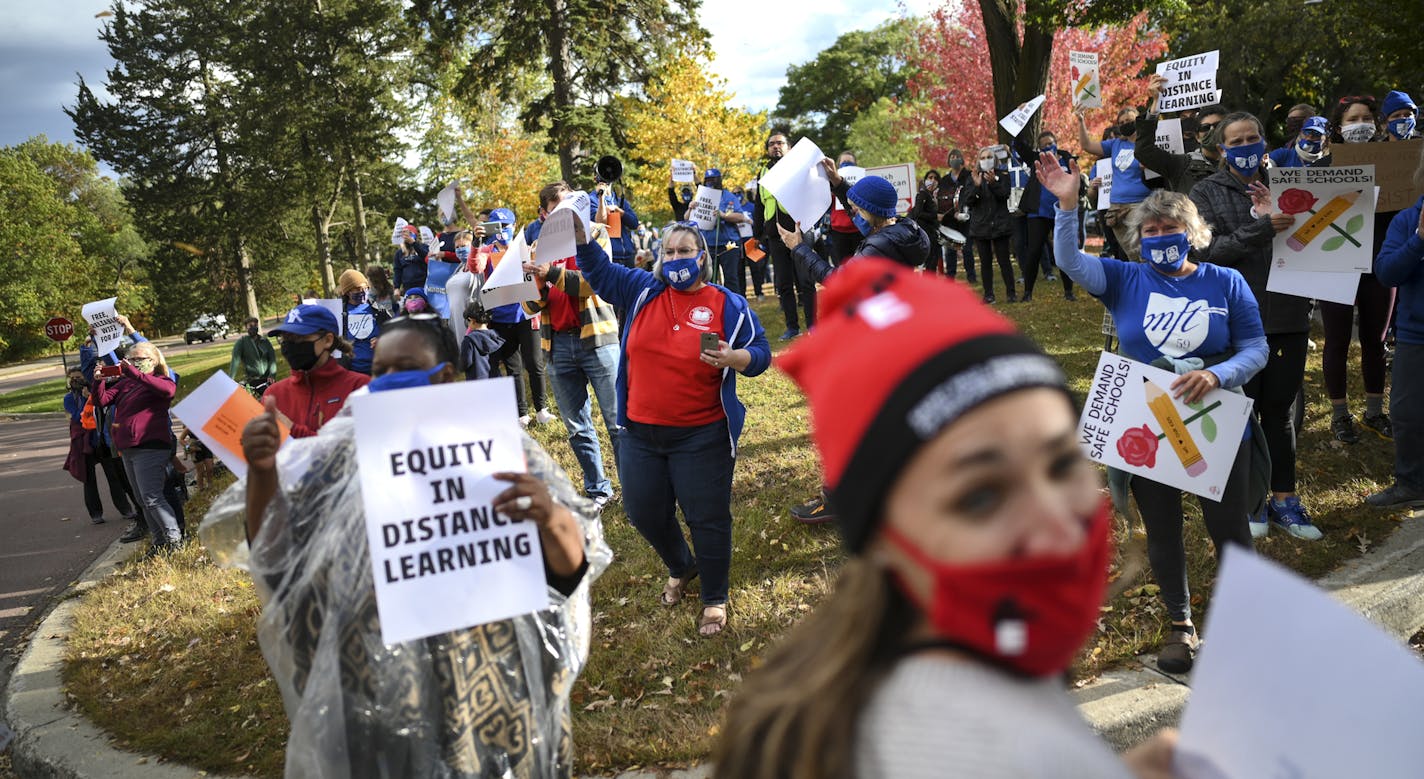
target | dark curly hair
[{"x": 1337, "y": 114}]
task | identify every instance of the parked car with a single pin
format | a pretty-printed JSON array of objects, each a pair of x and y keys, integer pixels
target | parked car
[{"x": 207, "y": 327}]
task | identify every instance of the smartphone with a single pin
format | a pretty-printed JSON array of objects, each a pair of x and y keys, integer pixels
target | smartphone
[
  {"x": 492, "y": 228},
  {"x": 710, "y": 341},
  {"x": 110, "y": 371}
]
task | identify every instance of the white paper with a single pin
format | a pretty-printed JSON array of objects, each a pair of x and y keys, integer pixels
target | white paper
[
  {"x": 1302, "y": 688},
  {"x": 508, "y": 283},
  {"x": 1334, "y": 287},
  {"x": 1169, "y": 138},
  {"x": 800, "y": 184},
  {"x": 330, "y": 304},
  {"x": 104, "y": 324},
  {"x": 1103, "y": 171},
  {"x": 484, "y": 567},
  {"x": 683, "y": 172},
  {"x": 703, "y": 209},
  {"x": 398, "y": 233},
  {"x": 744, "y": 229},
  {"x": 1334, "y": 218},
  {"x": 198, "y": 406},
  {"x": 902, "y": 177},
  {"x": 851, "y": 174},
  {"x": 558, "y": 238},
  {"x": 427, "y": 237},
  {"x": 1119, "y": 429},
  {"x": 1083, "y": 75},
  {"x": 445, "y": 201},
  {"x": 1018, "y": 118},
  {"x": 1191, "y": 82}
]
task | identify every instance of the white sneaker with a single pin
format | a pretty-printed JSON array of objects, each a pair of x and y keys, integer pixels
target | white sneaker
[
  {"x": 524, "y": 420},
  {"x": 1259, "y": 526},
  {"x": 544, "y": 417}
]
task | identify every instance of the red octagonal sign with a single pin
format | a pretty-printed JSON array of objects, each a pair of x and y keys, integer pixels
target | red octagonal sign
[{"x": 59, "y": 329}]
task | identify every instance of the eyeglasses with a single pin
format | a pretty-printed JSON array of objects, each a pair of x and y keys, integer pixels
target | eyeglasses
[
  {"x": 1206, "y": 128},
  {"x": 1357, "y": 99},
  {"x": 672, "y": 253}
]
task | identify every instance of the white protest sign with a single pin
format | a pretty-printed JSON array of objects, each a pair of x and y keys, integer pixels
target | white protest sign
[
  {"x": 799, "y": 183},
  {"x": 1369, "y": 705},
  {"x": 398, "y": 233},
  {"x": 104, "y": 324},
  {"x": 1316, "y": 285},
  {"x": 1018, "y": 118},
  {"x": 1131, "y": 421},
  {"x": 902, "y": 177},
  {"x": 1083, "y": 73},
  {"x": 559, "y": 235},
  {"x": 442, "y": 559},
  {"x": 1103, "y": 171},
  {"x": 1191, "y": 82},
  {"x": 683, "y": 172},
  {"x": 330, "y": 304},
  {"x": 703, "y": 209},
  {"x": 1334, "y": 218},
  {"x": 216, "y": 411},
  {"x": 427, "y": 237},
  {"x": 1169, "y": 138},
  {"x": 508, "y": 283},
  {"x": 445, "y": 201},
  {"x": 851, "y": 174}
]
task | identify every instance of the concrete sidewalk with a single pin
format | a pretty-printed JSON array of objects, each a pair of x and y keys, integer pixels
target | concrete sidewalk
[{"x": 1124, "y": 706}]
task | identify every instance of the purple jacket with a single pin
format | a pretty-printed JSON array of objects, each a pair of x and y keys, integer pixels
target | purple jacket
[{"x": 140, "y": 407}]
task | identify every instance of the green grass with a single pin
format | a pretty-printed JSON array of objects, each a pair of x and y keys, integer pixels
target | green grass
[{"x": 177, "y": 672}]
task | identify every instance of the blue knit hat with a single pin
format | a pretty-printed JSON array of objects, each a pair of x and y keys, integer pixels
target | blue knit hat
[
  {"x": 876, "y": 195},
  {"x": 1396, "y": 100}
]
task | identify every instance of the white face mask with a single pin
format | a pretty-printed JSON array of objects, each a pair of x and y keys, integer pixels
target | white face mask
[
  {"x": 986, "y": 165},
  {"x": 1359, "y": 132}
]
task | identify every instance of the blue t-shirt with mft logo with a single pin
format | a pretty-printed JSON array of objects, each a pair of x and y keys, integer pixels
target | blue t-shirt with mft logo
[{"x": 1127, "y": 184}]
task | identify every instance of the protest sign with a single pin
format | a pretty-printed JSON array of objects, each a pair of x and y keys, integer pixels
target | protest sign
[
  {"x": 441, "y": 557},
  {"x": 1018, "y": 118},
  {"x": 103, "y": 324},
  {"x": 1316, "y": 285},
  {"x": 1131, "y": 421},
  {"x": 799, "y": 184},
  {"x": 559, "y": 235},
  {"x": 330, "y": 304},
  {"x": 427, "y": 237},
  {"x": 902, "y": 177},
  {"x": 1169, "y": 138},
  {"x": 754, "y": 251},
  {"x": 683, "y": 172},
  {"x": 1334, "y": 218},
  {"x": 1103, "y": 171},
  {"x": 1394, "y": 164},
  {"x": 1191, "y": 82},
  {"x": 851, "y": 174},
  {"x": 216, "y": 411},
  {"x": 1369, "y": 705},
  {"x": 445, "y": 201},
  {"x": 1083, "y": 75},
  {"x": 703, "y": 209},
  {"x": 508, "y": 283},
  {"x": 398, "y": 232}
]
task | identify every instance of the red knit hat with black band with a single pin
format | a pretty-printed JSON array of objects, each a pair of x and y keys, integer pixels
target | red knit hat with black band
[{"x": 895, "y": 357}]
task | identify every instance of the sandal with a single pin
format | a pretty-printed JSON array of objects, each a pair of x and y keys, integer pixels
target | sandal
[
  {"x": 717, "y": 620},
  {"x": 1178, "y": 651},
  {"x": 675, "y": 589}
]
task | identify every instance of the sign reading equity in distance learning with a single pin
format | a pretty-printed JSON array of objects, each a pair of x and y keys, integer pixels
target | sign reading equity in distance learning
[
  {"x": 902, "y": 177},
  {"x": 1334, "y": 218},
  {"x": 1103, "y": 171},
  {"x": 851, "y": 174},
  {"x": 1018, "y": 118},
  {"x": 1191, "y": 82},
  {"x": 1394, "y": 169},
  {"x": 216, "y": 411},
  {"x": 799, "y": 183},
  {"x": 1131, "y": 421},
  {"x": 104, "y": 324},
  {"x": 442, "y": 559},
  {"x": 703, "y": 210},
  {"x": 682, "y": 172},
  {"x": 1083, "y": 71}
]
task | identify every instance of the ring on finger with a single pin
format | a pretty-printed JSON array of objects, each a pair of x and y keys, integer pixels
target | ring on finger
[{"x": 523, "y": 503}]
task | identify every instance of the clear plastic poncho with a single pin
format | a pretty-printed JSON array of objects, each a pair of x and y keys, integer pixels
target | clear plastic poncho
[{"x": 487, "y": 701}]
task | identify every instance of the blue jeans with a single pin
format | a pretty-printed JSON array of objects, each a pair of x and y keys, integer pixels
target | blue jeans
[
  {"x": 572, "y": 368},
  {"x": 666, "y": 467},
  {"x": 147, "y": 471}
]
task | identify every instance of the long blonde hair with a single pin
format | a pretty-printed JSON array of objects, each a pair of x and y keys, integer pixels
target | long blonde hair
[
  {"x": 795, "y": 716},
  {"x": 150, "y": 350}
]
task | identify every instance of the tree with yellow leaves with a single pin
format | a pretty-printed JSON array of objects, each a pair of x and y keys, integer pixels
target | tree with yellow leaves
[{"x": 686, "y": 115}]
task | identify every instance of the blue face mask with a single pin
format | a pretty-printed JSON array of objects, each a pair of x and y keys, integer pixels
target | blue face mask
[
  {"x": 402, "y": 379},
  {"x": 1401, "y": 128},
  {"x": 1310, "y": 145},
  {"x": 862, "y": 224},
  {"x": 1166, "y": 252},
  {"x": 1247, "y": 159},
  {"x": 682, "y": 273},
  {"x": 1051, "y": 148},
  {"x": 463, "y": 252}
]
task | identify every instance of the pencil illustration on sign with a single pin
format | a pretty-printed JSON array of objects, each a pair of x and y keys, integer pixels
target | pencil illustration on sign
[
  {"x": 1300, "y": 201},
  {"x": 1138, "y": 445}
]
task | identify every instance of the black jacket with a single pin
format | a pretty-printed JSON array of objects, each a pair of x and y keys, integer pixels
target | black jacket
[
  {"x": 1028, "y": 204},
  {"x": 1182, "y": 171},
  {"x": 904, "y": 242},
  {"x": 988, "y": 206}
]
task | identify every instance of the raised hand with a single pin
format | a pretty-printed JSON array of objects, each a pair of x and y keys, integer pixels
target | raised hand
[
  {"x": 1062, "y": 183},
  {"x": 262, "y": 437}
]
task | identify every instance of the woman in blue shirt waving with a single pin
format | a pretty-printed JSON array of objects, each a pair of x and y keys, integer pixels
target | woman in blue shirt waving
[{"x": 1200, "y": 320}]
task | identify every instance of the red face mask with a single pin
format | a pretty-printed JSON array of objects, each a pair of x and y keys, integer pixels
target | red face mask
[{"x": 1031, "y": 615}]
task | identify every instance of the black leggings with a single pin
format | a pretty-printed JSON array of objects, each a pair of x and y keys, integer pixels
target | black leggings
[
  {"x": 120, "y": 492},
  {"x": 1035, "y": 246},
  {"x": 791, "y": 280},
  {"x": 521, "y": 355},
  {"x": 1375, "y": 302},
  {"x": 990, "y": 249},
  {"x": 1226, "y": 523},
  {"x": 1274, "y": 390}
]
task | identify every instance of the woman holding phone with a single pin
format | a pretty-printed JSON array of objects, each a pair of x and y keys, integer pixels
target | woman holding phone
[{"x": 683, "y": 344}]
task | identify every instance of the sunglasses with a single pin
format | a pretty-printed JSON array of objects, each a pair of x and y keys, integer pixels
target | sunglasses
[{"x": 1357, "y": 99}]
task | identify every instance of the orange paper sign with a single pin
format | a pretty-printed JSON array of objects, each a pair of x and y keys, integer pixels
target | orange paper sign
[
  {"x": 754, "y": 251},
  {"x": 615, "y": 224},
  {"x": 225, "y": 426}
]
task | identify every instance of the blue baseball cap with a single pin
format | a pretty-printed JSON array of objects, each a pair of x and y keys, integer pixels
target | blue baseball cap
[
  {"x": 308, "y": 319},
  {"x": 502, "y": 215},
  {"x": 1314, "y": 124},
  {"x": 712, "y": 173}
]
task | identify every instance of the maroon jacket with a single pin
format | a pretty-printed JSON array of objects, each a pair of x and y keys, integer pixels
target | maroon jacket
[
  {"x": 140, "y": 404},
  {"x": 311, "y": 398}
]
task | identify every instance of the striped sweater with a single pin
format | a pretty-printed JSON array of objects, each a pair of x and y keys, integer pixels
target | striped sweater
[{"x": 598, "y": 325}]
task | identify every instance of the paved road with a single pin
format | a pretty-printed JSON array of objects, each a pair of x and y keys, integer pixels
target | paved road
[
  {"x": 46, "y": 539},
  {"x": 16, "y": 377}
]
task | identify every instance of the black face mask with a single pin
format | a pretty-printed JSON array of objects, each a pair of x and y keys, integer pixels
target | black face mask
[
  {"x": 252, "y": 331},
  {"x": 301, "y": 355},
  {"x": 78, "y": 385},
  {"x": 1126, "y": 128},
  {"x": 1293, "y": 125}
]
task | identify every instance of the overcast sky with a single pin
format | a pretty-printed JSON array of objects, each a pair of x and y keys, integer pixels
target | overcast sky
[{"x": 46, "y": 44}]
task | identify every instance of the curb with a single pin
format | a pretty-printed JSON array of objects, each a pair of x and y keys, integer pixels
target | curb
[{"x": 24, "y": 416}]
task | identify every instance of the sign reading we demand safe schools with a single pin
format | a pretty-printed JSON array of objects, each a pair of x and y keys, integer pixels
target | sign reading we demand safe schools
[{"x": 441, "y": 557}]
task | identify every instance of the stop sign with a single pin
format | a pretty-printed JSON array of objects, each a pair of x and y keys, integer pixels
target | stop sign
[{"x": 59, "y": 329}]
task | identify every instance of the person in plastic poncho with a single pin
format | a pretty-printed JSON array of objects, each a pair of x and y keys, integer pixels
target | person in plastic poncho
[{"x": 486, "y": 701}]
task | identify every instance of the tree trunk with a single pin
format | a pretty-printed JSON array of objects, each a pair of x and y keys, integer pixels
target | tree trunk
[
  {"x": 232, "y": 206},
  {"x": 323, "y": 251},
  {"x": 561, "y": 71},
  {"x": 1020, "y": 68},
  {"x": 358, "y": 205},
  {"x": 244, "y": 277}
]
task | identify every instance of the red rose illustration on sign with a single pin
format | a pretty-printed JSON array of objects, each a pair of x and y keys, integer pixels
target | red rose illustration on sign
[
  {"x": 1138, "y": 446},
  {"x": 1075, "y": 73},
  {"x": 1295, "y": 201}
]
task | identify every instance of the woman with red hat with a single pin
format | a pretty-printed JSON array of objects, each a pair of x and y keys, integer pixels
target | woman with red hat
[{"x": 979, "y": 543}]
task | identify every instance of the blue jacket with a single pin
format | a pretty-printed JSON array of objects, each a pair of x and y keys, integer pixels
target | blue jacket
[
  {"x": 634, "y": 288},
  {"x": 1400, "y": 264},
  {"x": 409, "y": 267},
  {"x": 724, "y": 231},
  {"x": 623, "y": 248}
]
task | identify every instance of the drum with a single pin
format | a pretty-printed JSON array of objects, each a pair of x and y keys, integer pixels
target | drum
[{"x": 949, "y": 236}]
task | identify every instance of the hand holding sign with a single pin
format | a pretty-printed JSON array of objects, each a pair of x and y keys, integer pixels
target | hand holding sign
[
  {"x": 262, "y": 437},
  {"x": 528, "y": 499}
]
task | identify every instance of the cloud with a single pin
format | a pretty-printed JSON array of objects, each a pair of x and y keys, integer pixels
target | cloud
[{"x": 43, "y": 46}]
